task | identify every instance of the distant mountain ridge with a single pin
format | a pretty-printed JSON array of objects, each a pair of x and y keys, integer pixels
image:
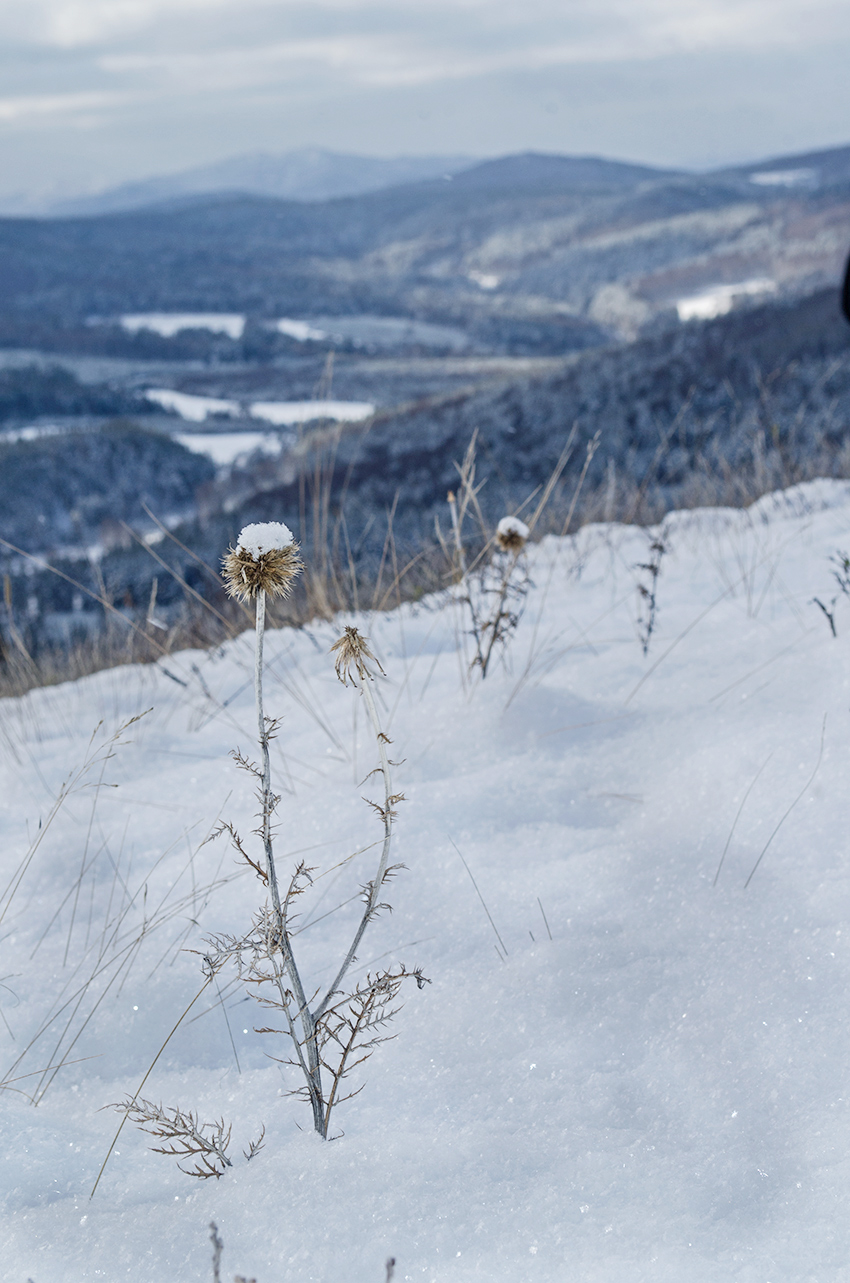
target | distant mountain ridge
[
  {"x": 529, "y": 254},
  {"x": 306, "y": 174},
  {"x": 313, "y": 174}
]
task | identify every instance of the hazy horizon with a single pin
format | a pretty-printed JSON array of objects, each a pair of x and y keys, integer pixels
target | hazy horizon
[{"x": 102, "y": 92}]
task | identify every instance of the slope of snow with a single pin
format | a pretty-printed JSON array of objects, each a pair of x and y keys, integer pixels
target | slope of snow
[
  {"x": 652, "y": 1095},
  {"x": 300, "y": 330},
  {"x": 720, "y": 299},
  {"x": 287, "y": 413},
  {"x": 226, "y": 447},
  {"x": 191, "y": 407}
]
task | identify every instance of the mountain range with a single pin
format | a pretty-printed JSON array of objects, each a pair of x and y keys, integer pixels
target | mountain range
[
  {"x": 306, "y": 173},
  {"x": 526, "y": 254}
]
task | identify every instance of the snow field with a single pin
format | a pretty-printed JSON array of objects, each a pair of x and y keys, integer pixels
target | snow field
[{"x": 654, "y": 1094}]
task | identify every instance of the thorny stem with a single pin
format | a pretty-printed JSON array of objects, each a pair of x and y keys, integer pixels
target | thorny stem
[
  {"x": 484, "y": 660},
  {"x": 263, "y": 735},
  {"x": 338, "y": 1076},
  {"x": 387, "y": 815},
  {"x": 308, "y": 1022}
]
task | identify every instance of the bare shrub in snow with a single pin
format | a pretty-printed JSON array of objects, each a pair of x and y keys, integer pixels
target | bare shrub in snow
[
  {"x": 492, "y": 584},
  {"x": 492, "y": 589}
]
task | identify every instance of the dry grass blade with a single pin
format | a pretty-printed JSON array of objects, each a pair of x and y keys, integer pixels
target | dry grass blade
[{"x": 800, "y": 795}]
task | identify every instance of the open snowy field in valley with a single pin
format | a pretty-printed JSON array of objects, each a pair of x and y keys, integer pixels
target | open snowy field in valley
[{"x": 630, "y": 1067}]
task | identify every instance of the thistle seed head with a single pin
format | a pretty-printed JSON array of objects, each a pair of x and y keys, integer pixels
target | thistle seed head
[
  {"x": 511, "y": 534},
  {"x": 265, "y": 559},
  {"x": 353, "y": 650}
]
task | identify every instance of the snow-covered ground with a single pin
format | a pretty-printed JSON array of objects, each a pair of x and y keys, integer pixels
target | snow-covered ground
[
  {"x": 289, "y": 413},
  {"x": 226, "y": 447},
  {"x": 652, "y": 1094},
  {"x": 196, "y": 409},
  {"x": 170, "y": 323},
  {"x": 717, "y": 300}
]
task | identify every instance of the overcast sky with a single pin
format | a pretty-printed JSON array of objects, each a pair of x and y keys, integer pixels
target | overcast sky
[{"x": 95, "y": 92}]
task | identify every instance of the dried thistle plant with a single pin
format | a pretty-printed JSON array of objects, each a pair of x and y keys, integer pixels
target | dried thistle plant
[
  {"x": 492, "y": 589},
  {"x": 329, "y": 1034},
  {"x": 491, "y": 584},
  {"x": 265, "y": 561},
  {"x": 265, "y": 958}
]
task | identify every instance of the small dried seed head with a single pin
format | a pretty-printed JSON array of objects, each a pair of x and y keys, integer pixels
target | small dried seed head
[
  {"x": 511, "y": 534},
  {"x": 352, "y": 649},
  {"x": 265, "y": 559}
]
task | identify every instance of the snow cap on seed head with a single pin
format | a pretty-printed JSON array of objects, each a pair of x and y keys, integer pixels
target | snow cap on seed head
[
  {"x": 265, "y": 559},
  {"x": 511, "y": 534}
]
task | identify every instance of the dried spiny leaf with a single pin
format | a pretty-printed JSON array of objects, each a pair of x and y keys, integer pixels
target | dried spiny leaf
[
  {"x": 353, "y": 651},
  {"x": 245, "y": 763},
  {"x": 254, "y": 1146},
  {"x": 184, "y": 1135},
  {"x": 238, "y": 846}
]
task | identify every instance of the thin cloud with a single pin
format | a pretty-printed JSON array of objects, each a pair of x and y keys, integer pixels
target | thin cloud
[
  {"x": 500, "y": 39},
  {"x": 27, "y": 106},
  {"x": 664, "y": 26}
]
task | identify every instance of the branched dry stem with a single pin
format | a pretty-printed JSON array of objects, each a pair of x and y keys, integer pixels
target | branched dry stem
[{"x": 331, "y": 1033}]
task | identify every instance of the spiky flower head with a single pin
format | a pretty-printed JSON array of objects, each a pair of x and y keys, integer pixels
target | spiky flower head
[
  {"x": 265, "y": 559},
  {"x": 352, "y": 650},
  {"x": 511, "y": 534}
]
